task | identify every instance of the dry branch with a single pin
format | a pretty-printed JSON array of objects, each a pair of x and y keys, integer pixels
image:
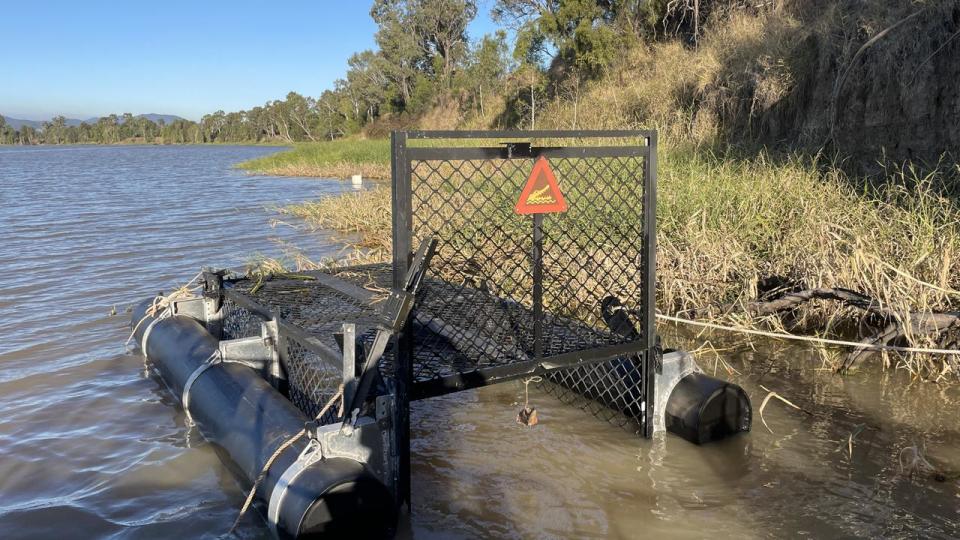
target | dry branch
[{"x": 898, "y": 326}]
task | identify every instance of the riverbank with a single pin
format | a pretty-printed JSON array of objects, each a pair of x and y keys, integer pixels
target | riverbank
[
  {"x": 337, "y": 159},
  {"x": 733, "y": 232},
  {"x": 140, "y": 142}
]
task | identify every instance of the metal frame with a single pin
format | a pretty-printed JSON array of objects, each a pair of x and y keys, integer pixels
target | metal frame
[
  {"x": 411, "y": 324},
  {"x": 403, "y": 156}
]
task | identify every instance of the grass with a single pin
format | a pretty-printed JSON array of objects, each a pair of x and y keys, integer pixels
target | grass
[
  {"x": 726, "y": 224},
  {"x": 337, "y": 159}
]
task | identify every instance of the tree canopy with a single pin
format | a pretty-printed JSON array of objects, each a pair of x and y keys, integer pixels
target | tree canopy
[{"x": 424, "y": 60}]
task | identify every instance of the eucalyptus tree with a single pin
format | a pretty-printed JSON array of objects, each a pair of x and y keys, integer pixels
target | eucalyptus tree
[
  {"x": 441, "y": 26},
  {"x": 330, "y": 114},
  {"x": 580, "y": 32},
  {"x": 303, "y": 115},
  {"x": 488, "y": 65},
  {"x": 398, "y": 46}
]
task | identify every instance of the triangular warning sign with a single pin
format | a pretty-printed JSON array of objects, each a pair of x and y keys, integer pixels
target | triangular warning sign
[{"x": 541, "y": 195}]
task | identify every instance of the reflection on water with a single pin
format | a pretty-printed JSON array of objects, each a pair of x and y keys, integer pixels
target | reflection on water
[
  {"x": 91, "y": 447},
  {"x": 477, "y": 471}
]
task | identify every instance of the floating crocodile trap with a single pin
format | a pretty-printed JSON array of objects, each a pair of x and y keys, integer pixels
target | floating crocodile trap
[{"x": 510, "y": 260}]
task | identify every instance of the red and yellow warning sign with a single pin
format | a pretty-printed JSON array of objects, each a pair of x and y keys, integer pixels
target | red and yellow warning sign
[{"x": 541, "y": 194}]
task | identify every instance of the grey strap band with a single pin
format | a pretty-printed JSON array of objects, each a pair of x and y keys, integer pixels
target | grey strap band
[
  {"x": 213, "y": 360},
  {"x": 146, "y": 333},
  {"x": 311, "y": 454}
]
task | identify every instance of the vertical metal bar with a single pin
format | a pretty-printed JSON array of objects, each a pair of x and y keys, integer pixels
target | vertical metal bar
[
  {"x": 403, "y": 370},
  {"x": 349, "y": 361},
  {"x": 283, "y": 345},
  {"x": 402, "y": 207},
  {"x": 538, "y": 285},
  {"x": 649, "y": 278}
]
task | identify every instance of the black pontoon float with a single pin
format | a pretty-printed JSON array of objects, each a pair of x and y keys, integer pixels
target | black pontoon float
[{"x": 510, "y": 259}]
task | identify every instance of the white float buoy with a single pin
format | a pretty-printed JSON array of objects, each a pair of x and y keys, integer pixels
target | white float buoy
[{"x": 356, "y": 180}]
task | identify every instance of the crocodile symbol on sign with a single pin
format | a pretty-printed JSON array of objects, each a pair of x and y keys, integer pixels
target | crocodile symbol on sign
[{"x": 541, "y": 194}]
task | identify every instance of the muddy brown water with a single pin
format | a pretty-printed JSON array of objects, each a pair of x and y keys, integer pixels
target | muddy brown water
[{"x": 93, "y": 446}]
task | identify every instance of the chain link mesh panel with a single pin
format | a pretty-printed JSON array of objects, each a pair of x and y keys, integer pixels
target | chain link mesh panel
[
  {"x": 319, "y": 310},
  {"x": 482, "y": 304},
  {"x": 590, "y": 252}
]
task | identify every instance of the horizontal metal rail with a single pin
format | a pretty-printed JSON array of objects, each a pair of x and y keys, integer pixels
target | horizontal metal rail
[
  {"x": 486, "y": 376},
  {"x": 536, "y": 134},
  {"x": 481, "y": 153}
]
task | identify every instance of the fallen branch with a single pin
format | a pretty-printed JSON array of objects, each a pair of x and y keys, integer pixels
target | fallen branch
[
  {"x": 898, "y": 325},
  {"x": 791, "y": 300}
]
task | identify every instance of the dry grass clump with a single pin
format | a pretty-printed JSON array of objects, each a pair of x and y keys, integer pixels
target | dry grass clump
[
  {"x": 742, "y": 68},
  {"x": 364, "y": 216}
]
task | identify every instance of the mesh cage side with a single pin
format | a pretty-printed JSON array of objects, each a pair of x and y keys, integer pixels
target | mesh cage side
[
  {"x": 479, "y": 310},
  {"x": 321, "y": 311},
  {"x": 308, "y": 305},
  {"x": 610, "y": 390},
  {"x": 312, "y": 381},
  {"x": 239, "y": 322},
  {"x": 591, "y": 251}
]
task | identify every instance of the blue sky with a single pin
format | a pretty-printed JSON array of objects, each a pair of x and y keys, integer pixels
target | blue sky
[{"x": 91, "y": 58}]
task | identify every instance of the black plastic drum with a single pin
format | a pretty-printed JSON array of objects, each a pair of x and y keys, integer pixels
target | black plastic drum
[{"x": 703, "y": 409}]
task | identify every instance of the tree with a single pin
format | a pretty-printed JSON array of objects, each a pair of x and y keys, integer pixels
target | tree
[
  {"x": 303, "y": 113},
  {"x": 367, "y": 82},
  {"x": 578, "y": 30},
  {"x": 399, "y": 48},
  {"x": 441, "y": 26},
  {"x": 54, "y": 131},
  {"x": 489, "y": 64},
  {"x": 8, "y": 135},
  {"x": 330, "y": 116}
]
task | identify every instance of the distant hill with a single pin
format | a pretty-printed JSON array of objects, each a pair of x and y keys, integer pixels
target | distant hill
[
  {"x": 18, "y": 123},
  {"x": 167, "y": 118}
]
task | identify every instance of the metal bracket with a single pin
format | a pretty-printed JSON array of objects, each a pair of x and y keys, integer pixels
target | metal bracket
[
  {"x": 165, "y": 313},
  {"x": 311, "y": 454},
  {"x": 258, "y": 352},
  {"x": 349, "y": 362},
  {"x": 204, "y": 310},
  {"x": 518, "y": 149},
  {"x": 270, "y": 335},
  {"x": 364, "y": 445},
  {"x": 675, "y": 366},
  {"x": 385, "y": 415}
]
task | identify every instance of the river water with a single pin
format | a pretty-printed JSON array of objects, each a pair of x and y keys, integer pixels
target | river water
[{"x": 92, "y": 446}]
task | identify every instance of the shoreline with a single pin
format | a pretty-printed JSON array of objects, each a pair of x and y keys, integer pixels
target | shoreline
[
  {"x": 735, "y": 234},
  {"x": 142, "y": 143}
]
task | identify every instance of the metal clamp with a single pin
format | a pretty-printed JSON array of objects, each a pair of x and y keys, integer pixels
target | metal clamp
[
  {"x": 257, "y": 352},
  {"x": 214, "y": 359},
  {"x": 164, "y": 313},
  {"x": 364, "y": 444},
  {"x": 311, "y": 454}
]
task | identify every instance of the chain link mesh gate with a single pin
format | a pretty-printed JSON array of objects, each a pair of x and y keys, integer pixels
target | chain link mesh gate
[{"x": 512, "y": 295}]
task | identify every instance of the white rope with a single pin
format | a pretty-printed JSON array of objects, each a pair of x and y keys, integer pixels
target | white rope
[
  {"x": 161, "y": 304},
  {"x": 810, "y": 339}
]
